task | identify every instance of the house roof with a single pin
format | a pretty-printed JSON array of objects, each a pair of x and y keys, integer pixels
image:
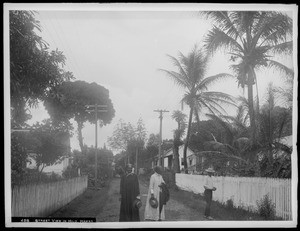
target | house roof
[{"x": 169, "y": 152}]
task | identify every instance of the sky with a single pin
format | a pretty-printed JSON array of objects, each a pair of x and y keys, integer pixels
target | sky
[{"x": 122, "y": 48}]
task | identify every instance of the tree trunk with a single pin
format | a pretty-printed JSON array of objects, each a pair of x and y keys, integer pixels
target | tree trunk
[
  {"x": 187, "y": 139},
  {"x": 176, "y": 158},
  {"x": 198, "y": 120},
  {"x": 80, "y": 138},
  {"x": 251, "y": 107}
]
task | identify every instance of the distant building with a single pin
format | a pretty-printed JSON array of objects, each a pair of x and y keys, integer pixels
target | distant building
[
  {"x": 58, "y": 168},
  {"x": 193, "y": 160}
]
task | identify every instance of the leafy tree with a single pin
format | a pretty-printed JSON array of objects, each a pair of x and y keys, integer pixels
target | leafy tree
[
  {"x": 180, "y": 118},
  {"x": 86, "y": 163},
  {"x": 129, "y": 139},
  {"x": 152, "y": 146},
  {"x": 48, "y": 142},
  {"x": 71, "y": 103},
  {"x": 34, "y": 70},
  {"x": 122, "y": 135},
  {"x": 18, "y": 157},
  {"x": 252, "y": 39},
  {"x": 139, "y": 140},
  {"x": 191, "y": 77},
  {"x": 119, "y": 159},
  {"x": 141, "y": 133},
  {"x": 45, "y": 143}
]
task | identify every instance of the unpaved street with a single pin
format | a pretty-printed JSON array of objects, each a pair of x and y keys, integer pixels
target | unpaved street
[{"x": 104, "y": 204}]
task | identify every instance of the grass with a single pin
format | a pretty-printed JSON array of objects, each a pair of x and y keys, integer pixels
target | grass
[
  {"x": 88, "y": 204},
  {"x": 218, "y": 211}
]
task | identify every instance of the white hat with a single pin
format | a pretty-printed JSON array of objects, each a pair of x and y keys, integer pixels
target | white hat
[{"x": 210, "y": 170}]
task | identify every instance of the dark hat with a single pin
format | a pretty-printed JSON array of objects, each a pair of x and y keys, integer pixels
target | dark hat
[
  {"x": 137, "y": 203},
  {"x": 153, "y": 202}
]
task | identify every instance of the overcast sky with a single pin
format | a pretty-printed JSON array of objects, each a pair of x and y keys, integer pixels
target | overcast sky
[{"x": 122, "y": 50}]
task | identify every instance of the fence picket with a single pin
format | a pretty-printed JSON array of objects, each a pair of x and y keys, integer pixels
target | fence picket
[
  {"x": 244, "y": 192},
  {"x": 43, "y": 199}
]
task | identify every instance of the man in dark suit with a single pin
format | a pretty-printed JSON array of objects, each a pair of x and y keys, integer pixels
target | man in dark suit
[{"x": 129, "y": 191}]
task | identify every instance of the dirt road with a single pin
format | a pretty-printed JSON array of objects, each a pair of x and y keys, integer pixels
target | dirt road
[{"x": 104, "y": 205}]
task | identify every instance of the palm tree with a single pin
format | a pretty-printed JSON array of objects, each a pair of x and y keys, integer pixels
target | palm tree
[
  {"x": 271, "y": 155},
  {"x": 252, "y": 38},
  {"x": 179, "y": 117},
  {"x": 191, "y": 77},
  {"x": 275, "y": 123}
]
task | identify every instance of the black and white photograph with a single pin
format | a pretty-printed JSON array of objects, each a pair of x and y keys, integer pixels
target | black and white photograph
[{"x": 150, "y": 115}]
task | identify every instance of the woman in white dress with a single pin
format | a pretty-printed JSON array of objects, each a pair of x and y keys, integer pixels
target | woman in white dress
[{"x": 153, "y": 213}]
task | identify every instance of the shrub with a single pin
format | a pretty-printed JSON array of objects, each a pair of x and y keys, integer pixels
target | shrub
[
  {"x": 197, "y": 196},
  {"x": 70, "y": 172},
  {"x": 229, "y": 204},
  {"x": 266, "y": 208}
]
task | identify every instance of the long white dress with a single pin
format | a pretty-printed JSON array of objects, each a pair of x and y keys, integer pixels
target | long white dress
[{"x": 153, "y": 213}]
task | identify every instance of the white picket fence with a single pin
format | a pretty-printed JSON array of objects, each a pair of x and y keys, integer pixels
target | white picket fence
[
  {"x": 44, "y": 199},
  {"x": 244, "y": 191}
]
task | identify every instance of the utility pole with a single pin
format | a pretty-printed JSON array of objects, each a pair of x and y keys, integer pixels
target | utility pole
[
  {"x": 96, "y": 108},
  {"x": 160, "y": 135}
]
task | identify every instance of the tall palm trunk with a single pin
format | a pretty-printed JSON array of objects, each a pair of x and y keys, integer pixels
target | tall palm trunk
[
  {"x": 251, "y": 106},
  {"x": 187, "y": 138},
  {"x": 198, "y": 120}
]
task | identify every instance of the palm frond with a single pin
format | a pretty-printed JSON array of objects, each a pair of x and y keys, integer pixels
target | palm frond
[
  {"x": 195, "y": 64},
  {"x": 177, "y": 63},
  {"x": 274, "y": 28},
  {"x": 212, "y": 79},
  {"x": 212, "y": 106},
  {"x": 224, "y": 22},
  {"x": 288, "y": 72},
  {"x": 176, "y": 77},
  {"x": 282, "y": 48},
  {"x": 217, "y": 39},
  {"x": 238, "y": 123},
  {"x": 218, "y": 97},
  {"x": 244, "y": 21},
  {"x": 243, "y": 102},
  {"x": 228, "y": 128}
]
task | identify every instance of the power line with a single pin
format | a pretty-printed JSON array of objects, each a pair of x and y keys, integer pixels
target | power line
[
  {"x": 70, "y": 58},
  {"x": 71, "y": 52}
]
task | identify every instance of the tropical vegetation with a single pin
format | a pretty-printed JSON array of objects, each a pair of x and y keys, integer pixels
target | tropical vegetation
[
  {"x": 253, "y": 40},
  {"x": 191, "y": 77}
]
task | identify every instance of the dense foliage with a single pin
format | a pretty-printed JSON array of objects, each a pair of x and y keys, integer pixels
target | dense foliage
[
  {"x": 34, "y": 70},
  {"x": 70, "y": 100},
  {"x": 190, "y": 75},
  {"x": 252, "y": 40}
]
